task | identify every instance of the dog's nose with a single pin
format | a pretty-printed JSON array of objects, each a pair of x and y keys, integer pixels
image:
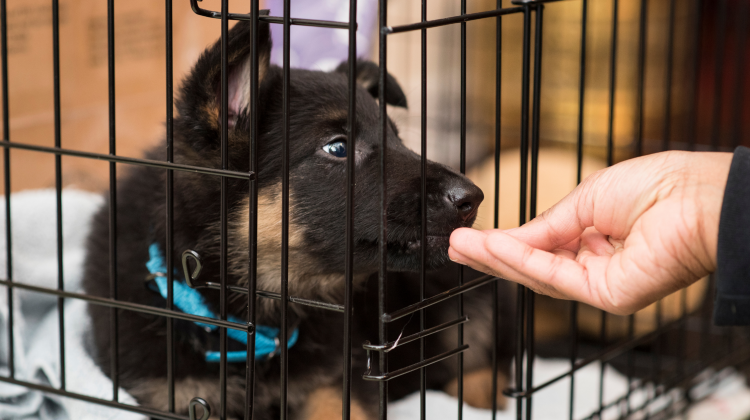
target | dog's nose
[{"x": 465, "y": 198}]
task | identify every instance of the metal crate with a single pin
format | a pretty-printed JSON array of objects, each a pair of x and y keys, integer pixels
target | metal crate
[{"x": 650, "y": 362}]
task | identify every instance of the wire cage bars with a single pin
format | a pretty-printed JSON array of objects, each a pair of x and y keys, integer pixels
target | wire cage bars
[{"x": 666, "y": 365}]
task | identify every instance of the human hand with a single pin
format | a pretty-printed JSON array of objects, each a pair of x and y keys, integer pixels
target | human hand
[{"x": 627, "y": 236}]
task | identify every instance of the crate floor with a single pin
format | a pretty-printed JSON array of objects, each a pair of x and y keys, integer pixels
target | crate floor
[{"x": 730, "y": 399}]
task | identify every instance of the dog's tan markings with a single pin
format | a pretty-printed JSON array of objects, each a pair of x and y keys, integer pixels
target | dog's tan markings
[
  {"x": 306, "y": 277},
  {"x": 153, "y": 393},
  {"x": 239, "y": 89},
  {"x": 325, "y": 404},
  {"x": 264, "y": 60},
  {"x": 269, "y": 237},
  {"x": 211, "y": 110},
  {"x": 334, "y": 114},
  {"x": 478, "y": 388}
]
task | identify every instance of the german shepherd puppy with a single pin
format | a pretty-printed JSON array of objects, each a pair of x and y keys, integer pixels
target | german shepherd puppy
[{"x": 318, "y": 149}]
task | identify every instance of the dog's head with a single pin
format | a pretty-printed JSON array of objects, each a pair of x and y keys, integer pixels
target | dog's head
[{"x": 318, "y": 145}]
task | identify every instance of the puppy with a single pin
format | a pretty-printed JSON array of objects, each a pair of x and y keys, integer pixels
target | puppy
[{"x": 318, "y": 150}]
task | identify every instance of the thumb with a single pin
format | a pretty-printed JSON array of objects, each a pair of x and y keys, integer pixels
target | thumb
[{"x": 561, "y": 223}]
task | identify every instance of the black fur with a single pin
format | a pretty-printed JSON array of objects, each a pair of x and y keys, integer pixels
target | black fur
[{"x": 319, "y": 104}]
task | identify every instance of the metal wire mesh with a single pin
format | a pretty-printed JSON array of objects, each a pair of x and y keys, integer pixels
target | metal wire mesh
[{"x": 670, "y": 363}]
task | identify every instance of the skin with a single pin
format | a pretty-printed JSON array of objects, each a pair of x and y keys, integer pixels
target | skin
[{"x": 627, "y": 236}]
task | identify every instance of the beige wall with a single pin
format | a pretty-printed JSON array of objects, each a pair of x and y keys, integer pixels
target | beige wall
[
  {"x": 140, "y": 78},
  {"x": 140, "y": 81}
]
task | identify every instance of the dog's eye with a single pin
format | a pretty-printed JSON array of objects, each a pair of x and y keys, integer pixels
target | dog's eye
[{"x": 336, "y": 148}]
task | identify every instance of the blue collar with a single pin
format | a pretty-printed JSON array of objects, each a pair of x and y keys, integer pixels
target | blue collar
[{"x": 190, "y": 301}]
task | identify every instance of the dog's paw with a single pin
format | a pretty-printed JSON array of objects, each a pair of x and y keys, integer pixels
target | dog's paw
[
  {"x": 325, "y": 404},
  {"x": 478, "y": 388}
]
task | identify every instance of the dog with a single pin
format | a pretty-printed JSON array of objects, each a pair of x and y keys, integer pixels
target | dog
[{"x": 317, "y": 174}]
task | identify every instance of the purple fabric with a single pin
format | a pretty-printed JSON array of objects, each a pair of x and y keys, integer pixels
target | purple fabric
[{"x": 322, "y": 48}]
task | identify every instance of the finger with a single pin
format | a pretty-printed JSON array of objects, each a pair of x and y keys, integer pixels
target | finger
[
  {"x": 572, "y": 246},
  {"x": 555, "y": 274},
  {"x": 563, "y": 223},
  {"x": 596, "y": 242},
  {"x": 564, "y": 253},
  {"x": 459, "y": 258},
  {"x": 487, "y": 264},
  {"x": 471, "y": 247},
  {"x": 473, "y": 254},
  {"x": 467, "y": 245}
]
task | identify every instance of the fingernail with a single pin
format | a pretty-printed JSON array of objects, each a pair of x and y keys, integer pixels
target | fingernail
[
  {"x": 453, "y": 256},
  {"x": 457, "y": 261}
]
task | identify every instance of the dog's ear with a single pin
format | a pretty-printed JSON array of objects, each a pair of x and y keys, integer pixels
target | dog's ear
[
  {"x": 200, "y": 95},
  {"x": 368, "y": 76}
]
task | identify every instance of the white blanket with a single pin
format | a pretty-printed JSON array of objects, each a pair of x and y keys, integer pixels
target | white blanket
[{"x": 36, "y": 332}]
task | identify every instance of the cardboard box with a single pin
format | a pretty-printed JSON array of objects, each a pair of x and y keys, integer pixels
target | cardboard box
[{"x": 140, "y": 81}]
